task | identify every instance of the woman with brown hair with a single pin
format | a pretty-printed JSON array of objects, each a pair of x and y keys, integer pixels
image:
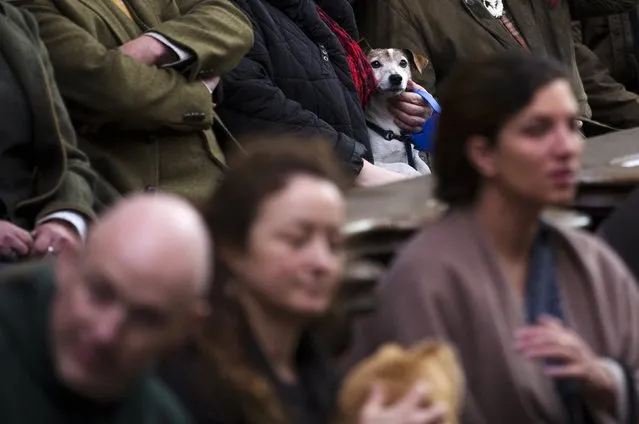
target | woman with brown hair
[
  {"x": 546, "y": 319},
  {"x": 276, "y": 222}
]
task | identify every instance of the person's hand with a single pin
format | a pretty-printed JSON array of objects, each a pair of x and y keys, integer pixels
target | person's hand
[
  {"x": 52, "y": 237},
  {"x": 372, "y": 175},
  {"x": 14, "y": 239},
  {"x": 410, "y": 110},
  {"x": 551, "y": 340},
  {"x": 148, "y": 50},
  {"x": 408, "y": 410}
]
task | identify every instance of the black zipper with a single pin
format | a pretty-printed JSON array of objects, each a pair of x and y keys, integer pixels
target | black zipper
[{"x": 325, "y": 61}]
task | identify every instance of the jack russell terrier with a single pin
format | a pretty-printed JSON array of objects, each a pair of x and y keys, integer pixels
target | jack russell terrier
[{"x": 392, "y": 148}]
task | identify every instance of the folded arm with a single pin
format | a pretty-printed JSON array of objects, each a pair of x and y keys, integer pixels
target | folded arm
[
  {"x": 107, "y": 87},
  {"x": 215, "y": 32}
]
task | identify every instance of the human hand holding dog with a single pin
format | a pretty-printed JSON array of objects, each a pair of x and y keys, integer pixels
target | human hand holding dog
[
  {"x": 372, "y": 175},
  {"x": 408, "y": 410},
  {"x": 409, "y": 109}
]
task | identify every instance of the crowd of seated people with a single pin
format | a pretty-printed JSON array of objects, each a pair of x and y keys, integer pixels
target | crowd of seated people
[{"x": 173, "y": 184}]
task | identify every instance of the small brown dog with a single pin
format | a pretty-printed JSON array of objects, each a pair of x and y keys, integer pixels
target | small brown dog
[{"x": 398, "y": 370}]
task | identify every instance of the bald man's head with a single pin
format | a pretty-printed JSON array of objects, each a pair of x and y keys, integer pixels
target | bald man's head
[
  {"x": 156, "y": 235},
  {"x": 136, "y": 291}
]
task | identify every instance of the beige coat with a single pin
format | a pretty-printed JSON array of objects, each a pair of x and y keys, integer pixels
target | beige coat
[{"x": 446, "y": 284}]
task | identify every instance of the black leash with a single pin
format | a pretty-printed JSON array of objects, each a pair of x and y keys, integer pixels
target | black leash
[{"x": 389, "y": 135}]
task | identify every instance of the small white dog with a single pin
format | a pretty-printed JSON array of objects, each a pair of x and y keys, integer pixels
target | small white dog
[{"x": 392, "y": 149}]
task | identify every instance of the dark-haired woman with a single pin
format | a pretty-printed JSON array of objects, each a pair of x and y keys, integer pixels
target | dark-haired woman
[
  {"x": 546, "y": 319},
  {"x": 276, "y": 223}
]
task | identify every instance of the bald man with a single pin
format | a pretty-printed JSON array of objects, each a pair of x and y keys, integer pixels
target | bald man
[{"x": 78, "y": 338}]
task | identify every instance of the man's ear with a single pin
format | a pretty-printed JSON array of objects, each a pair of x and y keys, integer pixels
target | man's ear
[
  {"x": 417, "y": 61},
  {"x": 201, "y": 311}
]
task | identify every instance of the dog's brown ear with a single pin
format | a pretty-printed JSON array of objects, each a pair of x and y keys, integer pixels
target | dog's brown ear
[
  {"x": 417, "y": 61},
  {"x": 366, "y": 48}
]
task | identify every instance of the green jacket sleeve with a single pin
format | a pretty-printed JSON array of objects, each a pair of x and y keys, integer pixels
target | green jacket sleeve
[
  {"x": 217, "y": 33},
  {"x": 76, "y": 189},
  {"x": 107, "y": 87}
]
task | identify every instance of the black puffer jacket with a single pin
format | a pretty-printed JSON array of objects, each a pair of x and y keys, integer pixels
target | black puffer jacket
[{"x": 296, "y": 77}]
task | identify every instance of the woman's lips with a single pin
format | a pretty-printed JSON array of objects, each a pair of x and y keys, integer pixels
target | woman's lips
[{"x": 563, "y": 176}]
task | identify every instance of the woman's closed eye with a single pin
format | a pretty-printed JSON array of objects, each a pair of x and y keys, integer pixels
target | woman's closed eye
[
  {"x": 296, "y": 240},
  {"x": 542, "y": 126},
  {"x": 538, "y": 128}
]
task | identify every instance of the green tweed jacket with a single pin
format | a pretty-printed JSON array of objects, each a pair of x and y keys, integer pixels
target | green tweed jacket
[
  {"x": 64, "y": 179},
  {"x": 144, "y": 127}
]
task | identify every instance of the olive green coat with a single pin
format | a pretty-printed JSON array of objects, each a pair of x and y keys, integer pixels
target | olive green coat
[
  {"x": 64, "y": 179},
  {"x": 142, "y": 126}
]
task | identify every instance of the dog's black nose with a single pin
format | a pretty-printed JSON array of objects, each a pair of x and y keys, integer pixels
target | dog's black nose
[{"x": 395, "y": 79}]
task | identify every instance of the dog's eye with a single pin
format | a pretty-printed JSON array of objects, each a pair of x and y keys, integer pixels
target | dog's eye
[
  {"x": 403, "y": 63},
  {"x": 376, "y": 64}
]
